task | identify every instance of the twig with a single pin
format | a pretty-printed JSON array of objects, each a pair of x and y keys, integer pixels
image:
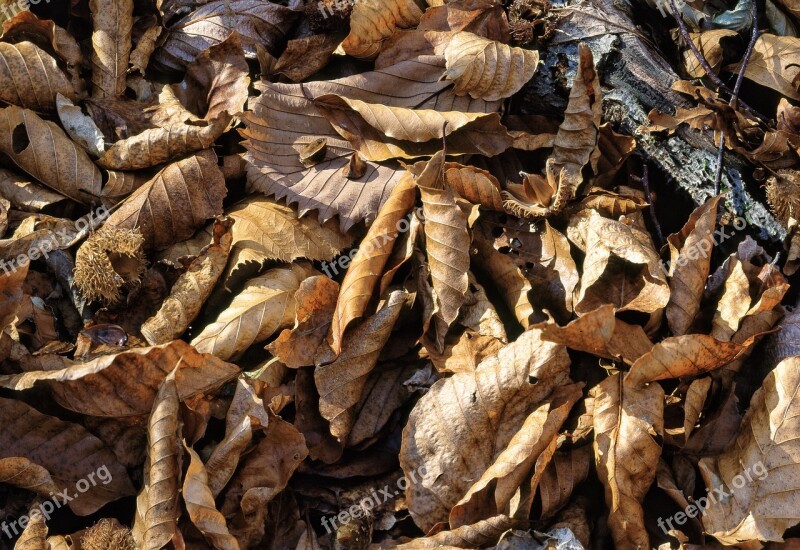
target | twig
[
  {"x": 645, "y": 180},
  {"x": 735, "y": 95},
  {"x": 704, "y": 64}
]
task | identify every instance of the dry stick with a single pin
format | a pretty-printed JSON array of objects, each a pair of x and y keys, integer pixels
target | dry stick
[
  {"x": 704, "y": 64},
  {"x": 735, "y": 96},
  {"x": 645, "y": 180}
]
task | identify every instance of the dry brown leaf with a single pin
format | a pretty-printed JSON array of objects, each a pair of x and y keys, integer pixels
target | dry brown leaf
[
  {"x": 67, "y": 451},
  {"x": 259, "y": 24},
  {"x": 755, "y": 482},
  {"x": 316, "y": 301},
  {"x": 104, "y": 386},
  {"x": 360, "y": 283},
  {"x": 774, "y": 64},
  {"x": 533, "y": 445},
  {"x": 710, "y": 44},
  {"x": 175, "y": 202},
  {"x": 157, "y": 504},
  {"x": 340, "y": 378},
  {"x": 695, "y": 399},
  {"x": 272, "y": 231},
  {"x": 34, "y": 537},
  {"x": 687, "y": 355},
  {"x": 493, "y": 402},
  {"x": 26, "y": 195},
  {"x": 380, "y": 132},
  {"x": 475, "y": 185},
  {"x": 26, "y": 474},
  {"x": 621, "y": 267},
  {"x": 305, "y": 56},
  {"x": 446, "y": 237},
  {"x": 263, "y": 474},
  {"x": 11, "y": 294},
  {"x": 628, "y": 425},
  {"x": 373, "y": 21},
  {"x": 265, "y": 305},
  {"x": 283, "y": 120},
  {"x": 565, "y": 472},
  {"x": 191, "y": 290},
  {"x": 486, "y": 69},
  {"x": 244, "y": 414},
  {"x": 481, "y": 534},
  {"x": 574, "y": 146},
  {"x": 43, "y": 150},
  {"x": 690, "y": 263},
  {"x": 600, "y": 333},
  {"x": 507, "y": 278},
  {"x": 112, "y": 22},
  {"x": 201, "y": 507},
  {"x": 30, "y": 78}
]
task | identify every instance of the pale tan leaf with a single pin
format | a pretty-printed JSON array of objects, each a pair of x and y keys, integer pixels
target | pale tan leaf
[
  {"x": 508, "y": 279},
  {"x": 67, "y": 451},
  {"x": 159, "y": 145},
  {"x": 600, "y": 333},
  {"x": 26, "y": 474},
  {"x": 628, "y": 423},
  {"x": 30, "y": 78},
  {"x": 262, "y": 24},
  {"x": 34, "y": 537},
  {"x": 175, "y": 202},
  {"x": 364, "y": 274},
  {"x": 80, "y": 127},
  {"x": 272, "y": 231},
  {"x": 687, "y": 355},
  {"x": 340, "y": 378},
  {"x": 191, "y": 290},
  {"x": 487, "y": 69},
  {"x": 43, "y": 150},
  {"x": 460, "y": 427},
  {"x": 112, "y": 22},
  {"x": 574, "y": 146},
  {"x": 695, "y": 399},
  {"x": 245, "y": 413},
  {"x": 446, "y": 237},
  {"x": 265, "y": 305},
  {"x": 380, "y": 133},
  {"x": 493, "y": 492},
  {"x": 621, "y": 267},
  {"x": 201, "y": 507},
  {"x": 11, "y": 294},
  {"x": 104, "y": 386},
  {"x": 774, "y": 64},
  {"x": 481, "y": 534},
  {"x": 157, "y": 504},
  {"x": 475, "y": 185},
  {"x": 373, "y": 21},
  {"x": 710, "y": 45},
  {"x": 690, "y": 261},
  {"x": 26, "y": 195},
  {"x": 759, "y": 472},
  {"x": 283, "y": 120}
]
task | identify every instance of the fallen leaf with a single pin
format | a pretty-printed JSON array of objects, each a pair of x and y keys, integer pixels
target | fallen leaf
[
  {"x": 174, "y": 203},
  {"x": 44, "y": 151},
  {"x": 757, "y": 472},
  {"x": 28, "y": 84},
  {"x": 628, "y": 425},
  {"x": 112, "y": 22},
  {"x": 67, "y": 451},
  {"x": 492, "y": 402},
  {"x": 265, "y": 305},
  {"x": 373, "y": 21},
  {"x": 486, "y": 69}
]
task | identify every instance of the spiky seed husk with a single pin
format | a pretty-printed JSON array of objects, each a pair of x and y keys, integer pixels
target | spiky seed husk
[{"x": 107, "y": 261}]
